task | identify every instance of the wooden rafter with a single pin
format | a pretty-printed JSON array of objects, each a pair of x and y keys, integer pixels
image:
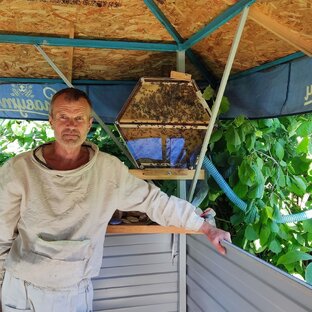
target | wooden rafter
[
  {"x": 283, "y": 32},
  {"x": 293, "y": 38}
]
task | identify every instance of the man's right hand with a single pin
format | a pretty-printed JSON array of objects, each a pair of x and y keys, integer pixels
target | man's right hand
[{"x": 215, "y": 236}]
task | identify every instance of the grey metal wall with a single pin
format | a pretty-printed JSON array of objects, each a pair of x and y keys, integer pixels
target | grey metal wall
[
  {"x": 239, "y": 282},
  {"x": 137, "y": 275}
]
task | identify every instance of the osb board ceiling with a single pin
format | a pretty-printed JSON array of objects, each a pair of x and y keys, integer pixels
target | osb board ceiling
[
  {"x": 257, "y": 46},
  {"x": 123, "y": 20},
  {"x": 130, "y": 20},
  {"x": 188, "y": 17},
  {"x": 96, "y": 64}
]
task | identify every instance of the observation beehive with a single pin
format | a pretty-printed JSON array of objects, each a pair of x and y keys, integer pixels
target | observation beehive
[{"x": 164, "y": 122}]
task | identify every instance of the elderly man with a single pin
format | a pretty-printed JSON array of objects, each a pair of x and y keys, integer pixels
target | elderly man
[{"x": 55, "y": 204}]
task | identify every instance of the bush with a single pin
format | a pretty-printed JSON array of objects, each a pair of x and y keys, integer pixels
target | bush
[
  {"x": 268, "y": 164},
  {"x": 18, "y": 136}
]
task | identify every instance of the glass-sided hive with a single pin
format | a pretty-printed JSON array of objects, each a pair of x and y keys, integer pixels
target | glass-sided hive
[{"x": 164, "y": 122}]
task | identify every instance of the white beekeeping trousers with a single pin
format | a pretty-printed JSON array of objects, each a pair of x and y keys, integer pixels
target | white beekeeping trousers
[{"x": 19, "y": 295}]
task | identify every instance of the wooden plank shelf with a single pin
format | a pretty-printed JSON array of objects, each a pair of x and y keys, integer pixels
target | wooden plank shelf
[
  {"x": 166, "y": 174},
  {"x": 146, "y": 229}
]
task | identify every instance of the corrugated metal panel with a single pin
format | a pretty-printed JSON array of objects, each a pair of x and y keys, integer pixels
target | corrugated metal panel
[
  {"x": 239, "y": 282},
  {"x": 137, "y": 275}
]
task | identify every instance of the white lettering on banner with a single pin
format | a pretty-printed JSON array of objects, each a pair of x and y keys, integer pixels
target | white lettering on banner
[
  {"x": 24, "y": 107},
  {"x": 48, "y": 92},
  {"x": 27, "y": 106},
  {"x": 308, "y": 97}
]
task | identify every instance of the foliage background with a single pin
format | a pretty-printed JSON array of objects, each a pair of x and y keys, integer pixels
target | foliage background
[{"x": 268, "y": 164}]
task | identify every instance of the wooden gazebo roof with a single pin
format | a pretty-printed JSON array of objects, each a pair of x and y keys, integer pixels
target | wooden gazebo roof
[{"x": 125, "y": 40}]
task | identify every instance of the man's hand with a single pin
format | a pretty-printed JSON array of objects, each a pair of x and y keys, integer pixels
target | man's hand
[{"x": 215, "y": 236}]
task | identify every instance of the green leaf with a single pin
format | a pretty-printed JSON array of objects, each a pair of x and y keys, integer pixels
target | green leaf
[
  {"x": 282, "y": 234},
  {"x": 236, "y": 219},
  {"x": 281, "y": 177},
  {"x": 268, "y": 122},
  {"x": 265, "y": 232},
  {"x": 232, "y": 139},
  {"x": 268, "y": 212},
  {"x": 297, "y": 185},
  {"x": 214, "y": 195},
  {"x": 267, "y": 171},
  {"x": 259, "y": 179},
  {"x": 303, "y": 146},
  {"x": 258, "y": 133},
  {"x": 274, "y": 227},
  {"x": 245, "y": 173},
  {"x": 224, "y": 105},
  {"x": 259, "y": 162},
  {"x": 293, "y": 256},
  {"x": 310, "y": 170},
  {"x": 237, "y": 141},
  {"x": 242, "y": 134},
  {"x": 250, "y": 233},
  {"x": 251, "y": 214},
  {"x": 300, "y": 165},
  {"x": 308, "y": 273},
  {"x": 275, "y": 246},
  {"x": 301, "y": 183},
  {"x": 238, "y": 121},
  {"x": 299, "y": 238},
  {"x": 279, "y": 150},
  {"x": 258, "y": 247},
  {"x": 250, "y": 142},
  {"x": 240, "y": 189},
  {"x": 256, "y": 191},
  {"x": 307, "y": 225},
  {"x": 305, "y": 129},
  {"x": 208, "y": 93},
  {"x": 216, "y": 136}
]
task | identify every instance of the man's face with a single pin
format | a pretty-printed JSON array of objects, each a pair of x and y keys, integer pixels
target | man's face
[{"x": 71, "y": 121}]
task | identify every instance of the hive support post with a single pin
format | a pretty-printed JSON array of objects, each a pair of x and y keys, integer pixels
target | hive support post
[
  {"x": 182, "y": 237},
  {"x": 182, "y": 255},
  {"x": 181, "y": 61},
  {"x": 216, "y": 106}
]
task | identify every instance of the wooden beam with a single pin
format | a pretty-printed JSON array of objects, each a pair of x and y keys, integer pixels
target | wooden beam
[
  {"x": 88, "y": 43},
  {"x": 293, "y": 38},
  {"x": 180, "y": 76},
  {"x": 146, "y": 229},
  {"x": 166, "y": 174},
  {"x": 283, "y": 32}
]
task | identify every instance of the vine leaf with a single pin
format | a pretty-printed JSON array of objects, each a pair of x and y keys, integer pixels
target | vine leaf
[{"x": 293, "y": 256}]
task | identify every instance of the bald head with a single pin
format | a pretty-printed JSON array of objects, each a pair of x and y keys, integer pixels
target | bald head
[{"x": 69, "y": 95}]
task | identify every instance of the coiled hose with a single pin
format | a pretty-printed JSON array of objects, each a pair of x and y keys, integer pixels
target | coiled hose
[{"x": 211, "y": 169}]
